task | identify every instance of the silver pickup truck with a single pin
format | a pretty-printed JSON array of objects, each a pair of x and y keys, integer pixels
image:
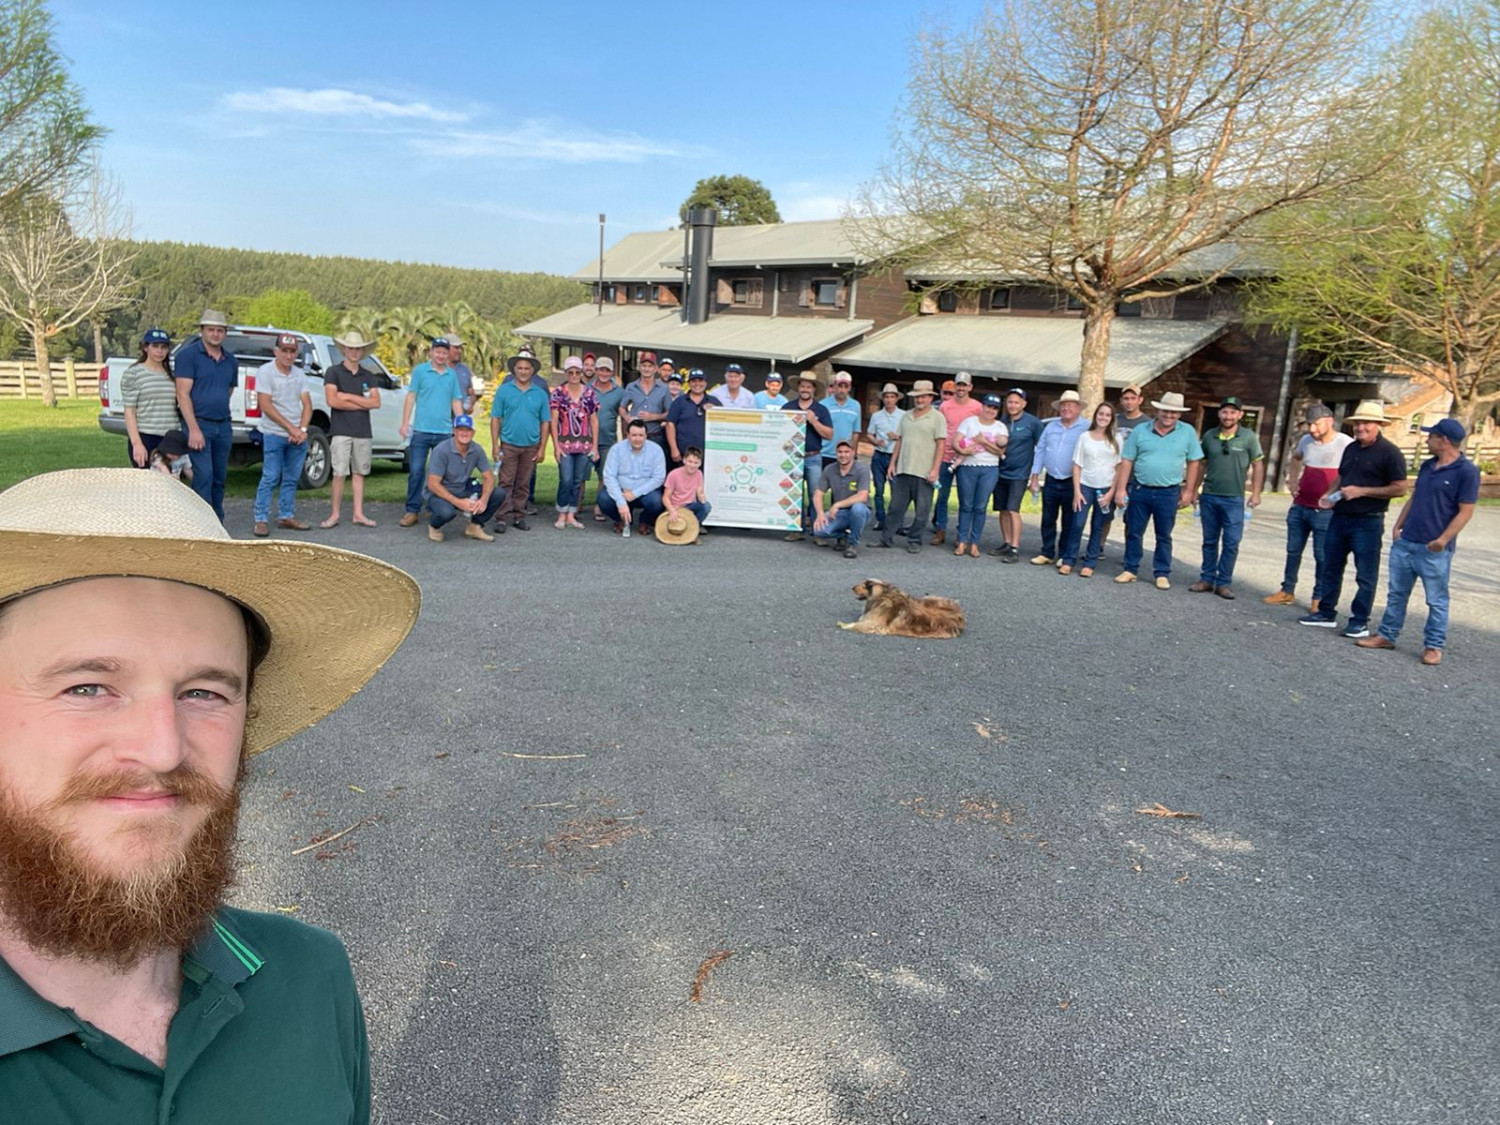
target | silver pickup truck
[{"x": 252, "y": 348}]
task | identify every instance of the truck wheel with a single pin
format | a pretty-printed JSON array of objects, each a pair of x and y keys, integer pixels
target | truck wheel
[{"x": 319, "y": 464}]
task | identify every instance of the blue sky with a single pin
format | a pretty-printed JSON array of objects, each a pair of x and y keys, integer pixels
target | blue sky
[{"x": 482, "y": 134}]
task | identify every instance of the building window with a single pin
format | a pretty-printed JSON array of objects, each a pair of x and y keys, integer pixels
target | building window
[
  {"x": 1415, "y": 425},
  {"x": 999, "y": 299},
  {"x": 1075, "y": 303},
  {"x": 640, "y": 292},
  {"x": 947, "y": 301},
  {"x": 608, "y": 295},
  {"x": 1159, "y": 308},
  {"x": 825, "y": 293}
]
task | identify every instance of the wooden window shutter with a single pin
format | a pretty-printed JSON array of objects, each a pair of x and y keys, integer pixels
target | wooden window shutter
[
  {"x": 841, "y": 295},
  {"x": 804, "y": 294},
  {"x": 724, "y": 292},
  {"x": 757, "y": 296}
]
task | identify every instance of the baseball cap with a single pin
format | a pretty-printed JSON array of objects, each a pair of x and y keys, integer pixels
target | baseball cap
[
  {"x": 1015, "y": 391},
  {"x": 774, "y": 377},
  {"x": 156, "y": 336},
  {"x": 964, "y": 377},
  {"x": 1450, "y": 428},
  {"x": 949, "y": 384},
  {"x": 994, "y": 400},
  {"x": 287, "y": 340},
  {"x": 572, "y": 362},
  {"x": 604, "y": 364},
  {"x": 842, "y": 377},
  {"x": 1232, "y": 400},
  {"x": 463, "y": 422},
  {"x": 439, "y": 342},
  {"x": 666, "y": 362},
  {"x": 697, "y": 373},
  {"x": 674, "y": 377},
  {"x": 646, "y": 357},
  {"x": 1316, "y": 412},
  {"x": 588, "y": 356},
  {"x": 1133, "y": 388},
  {"x": 728, "y": 367}
]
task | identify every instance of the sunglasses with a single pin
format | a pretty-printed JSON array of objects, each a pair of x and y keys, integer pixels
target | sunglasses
[{"x": 947, "y": 394}]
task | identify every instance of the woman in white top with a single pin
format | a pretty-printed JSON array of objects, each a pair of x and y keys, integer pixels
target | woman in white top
[
  {"x": 1095, "y": 459},
  {"x": 979, "y": 443}
]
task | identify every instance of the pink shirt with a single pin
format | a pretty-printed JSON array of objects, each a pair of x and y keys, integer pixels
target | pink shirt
[
  {"x": 683, "y": 485},
  {"x": 954, "y": 413}
]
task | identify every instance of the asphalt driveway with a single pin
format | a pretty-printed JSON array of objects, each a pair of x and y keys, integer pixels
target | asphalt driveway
[{"x": 641, "y": 837}]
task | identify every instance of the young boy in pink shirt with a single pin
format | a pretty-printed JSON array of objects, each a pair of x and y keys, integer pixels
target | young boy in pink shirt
[{"x": 684, "y": 488}]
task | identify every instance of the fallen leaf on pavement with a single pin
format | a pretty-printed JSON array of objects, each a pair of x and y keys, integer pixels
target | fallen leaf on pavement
[{"x": 1159, "y": 809}]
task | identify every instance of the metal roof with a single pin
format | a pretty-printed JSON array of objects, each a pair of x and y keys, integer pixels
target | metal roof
[
  {"x": 788, "y": 339},
  {"x": 1030, "y": 348},
  {"x": 657, "y": 255}
]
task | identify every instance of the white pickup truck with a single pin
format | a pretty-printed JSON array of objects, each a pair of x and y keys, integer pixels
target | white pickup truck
[{"x": 253, "y": 348}]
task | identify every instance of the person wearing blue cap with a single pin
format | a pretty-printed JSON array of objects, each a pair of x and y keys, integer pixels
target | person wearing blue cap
[
  {"x": 1425, "y": 537},
  {"x": 434, "y": 398},
  {"x": 452, "y": 489},
  {"x": 732, "y": 392},
  {"x": 150, "y": 397}
]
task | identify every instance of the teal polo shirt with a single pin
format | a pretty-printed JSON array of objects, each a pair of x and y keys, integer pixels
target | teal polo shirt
[
  {"x": 268, "y": 1030},
  {"x": 434, "y": 392},
  {"x": 522, "y": 413},
  {"x": 1161, "y": 460}
]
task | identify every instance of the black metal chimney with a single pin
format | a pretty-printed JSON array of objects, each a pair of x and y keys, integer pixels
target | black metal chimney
[{"x": 702, "y": 220}]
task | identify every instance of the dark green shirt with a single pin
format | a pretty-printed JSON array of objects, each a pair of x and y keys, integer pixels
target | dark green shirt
[
  {"x": 1226, "y": 460},
  {"x": 268, "y": 1030}
]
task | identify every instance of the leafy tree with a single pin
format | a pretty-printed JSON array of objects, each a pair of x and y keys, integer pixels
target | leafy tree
[
  {"x": 290, "y": 308},
  {"x": 739, "y": 200},
  {"x": 1415, "y": 283},
  {"x": 1095, "y": 145}
]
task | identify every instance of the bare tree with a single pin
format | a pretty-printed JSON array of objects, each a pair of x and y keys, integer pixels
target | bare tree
[
  {"x": 1099, "y": 146},
  {"x": 63, "y": 262}
]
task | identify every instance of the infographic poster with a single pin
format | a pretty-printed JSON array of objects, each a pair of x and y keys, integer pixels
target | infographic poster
[{"x": 752, "y": 470}]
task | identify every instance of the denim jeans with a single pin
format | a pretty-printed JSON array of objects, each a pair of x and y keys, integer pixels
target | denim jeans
[
  {"x": 944, "y": 491},
  {"x": 1098, "y": 521},
  {"x": 907, "y": 490},
  {"x": 1223, "y": 519},
  {"x": 422, "y": 443},
  {"x": 1156, "y": 506},
  {"x": 648, "y": 506},
  {"x": 1057, "y": 506},
  {"x": 880, "y": 470},
  {"x": 1360, "y": 536},
  {"x": 848, "y": 521},
  {"x": 975, "y": 485},
  {"x": 211, "y": 463},
  {"x": 440, "y": 511},
  {"x": 1410, "y": 561},
  {"x": 281, "y": 465},
  {"x": 812, "y": 473},
  {"x": 572, "y": 475},
  {"x": 1300, "y": 523}
]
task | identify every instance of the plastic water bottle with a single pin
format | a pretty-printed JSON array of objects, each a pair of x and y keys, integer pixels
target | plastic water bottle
[{"x": 1249, "y": 513}]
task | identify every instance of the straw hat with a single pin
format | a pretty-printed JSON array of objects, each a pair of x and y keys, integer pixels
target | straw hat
[
  {"x": 921, "y": 387},
  {"x": 212, "y": 318},
  {"x": 353, "y": 339},
  {"x": 1370, "y": 410},
  {"x": 1173, "y": 401},
  {"x": 96, "y": 523},
  {"x": 677, "y": 530}
]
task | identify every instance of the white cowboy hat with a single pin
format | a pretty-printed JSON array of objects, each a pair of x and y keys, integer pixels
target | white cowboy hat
[
  {"x": 677, "y": 530},
  {"x": 212, "y": 318},
  {"x": 353, "y": 339},
  {"x": 1171, "y": 401},
  {"x": 527, "y": 354},
  {"x": 96, "y": 523},
  {"x": 889, "y": 389},
  {"x": 921, "y": 387},
  {"x": 1069, "y": 396},
  {"x": 1370, "y": 410}
]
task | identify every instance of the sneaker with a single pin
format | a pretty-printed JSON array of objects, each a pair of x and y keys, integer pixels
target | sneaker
[
  {"x": 900, "y": 531},
  {"x": 1280, "y": 597},
  {"x": 1318, "y": 621},
  {"x": 520, "y": 525},
  {"x": 913, "y": 547},
  {"x": 499, "y": 527},
  {"x": 1355, "y": 632},
  {"x": 1000, "y": 552},
  {"x": 531, "y": 509},
  {"x": 1012, "y": 555},
  {"x": 408, "y": 519},
  {"x": 477, "y": 531},
  {"x": 879, "y": 526},
  {"x": 882, "y": 544},
  {"x": 435, "y": 534},
  {"x": 1163, "y": 584},
  {"x": 851, "y": 551}
]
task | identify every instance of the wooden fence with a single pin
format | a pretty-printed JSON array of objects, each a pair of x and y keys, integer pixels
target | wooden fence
[{"x": 70, "y": 379}]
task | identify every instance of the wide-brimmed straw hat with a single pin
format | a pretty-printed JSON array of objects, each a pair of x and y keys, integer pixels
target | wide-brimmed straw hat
[
  {"x": 212, "y": 318},
  {"x": 1370, "y": 410},
  {"x": 677, "y": 530},
  {"x": 110, "y": 523},
  {"x": 921, "y": 387},
  {"x": 1172, "y": 401},
  {"x": 524, "y": 353},
  {"x": 353, "y": 339}
]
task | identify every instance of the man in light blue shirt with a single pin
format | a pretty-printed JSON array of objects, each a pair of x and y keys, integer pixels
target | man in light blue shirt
[
  {"x": 633, "y": 476},
  {"x": 1164, "y": 458},
  {"x": 1054, "y": 457},
  {"x": 845, "y": 414},
  {"x": 433, "y": 400},
  {"x": 883, "y": 426},
  {"x": 771, "y": 398}
]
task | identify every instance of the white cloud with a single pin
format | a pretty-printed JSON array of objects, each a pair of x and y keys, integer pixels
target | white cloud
[
  {"x": 537, "y": 140},
  {"x": 803, "y": 208},
  {"x": 335, "y": 103}
]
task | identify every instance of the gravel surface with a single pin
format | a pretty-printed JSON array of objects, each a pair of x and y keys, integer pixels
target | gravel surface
[{"x": 596, "y": 764}]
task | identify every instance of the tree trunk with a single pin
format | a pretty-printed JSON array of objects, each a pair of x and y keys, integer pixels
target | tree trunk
[
  {"x": 1096, "y": 324},
  {"x": 43, "y": 364},
  {"x": 98, "y": 341}
]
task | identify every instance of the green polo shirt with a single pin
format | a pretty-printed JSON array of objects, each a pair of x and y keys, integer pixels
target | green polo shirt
[
  {"x": 1161, "y": 460},
  {"x": 268, "y": 1030},
  {"x": 1227, "y": 459}
]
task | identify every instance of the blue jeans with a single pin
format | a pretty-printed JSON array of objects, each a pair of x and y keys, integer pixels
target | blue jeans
[
  {"x": 1057, "y": 507},
  {"x": 1157, "y": 506},
  {"x": 441, "y": 512},
  {"x": 1410, "y": 561},
  {"x": 880, "y": 469},
  {"x": 572, "y": 475},
  {"x": 975, "y": 485},
  {"x": 1098, "y": 521},
  {"x": 944, "y": 491},
  {"x": 848, "y": 521},
  {"x": 211, "y": 463},
  {"x": 281, "y": 464},
  {"x": 1300, "y": 523},
  {"x": 812, "y": 473},
  {"x": 699, "y": 508},
  {"x": 422, "y": 443},
  {"x": 1360, "y": 536},
  {"x": 1223, "y": 518},
  {"x": 648, "y": 505}
]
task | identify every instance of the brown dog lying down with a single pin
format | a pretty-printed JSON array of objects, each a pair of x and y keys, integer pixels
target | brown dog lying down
[{"x": 892, "y": 612}]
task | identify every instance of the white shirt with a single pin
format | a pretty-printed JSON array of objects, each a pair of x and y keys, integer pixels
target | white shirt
[
  {"x": 1097, "y": 461},
  {"x": 742, "y": 401},
  {"x": 978, "y": 455},
  {"x": 284, "y": 391}
]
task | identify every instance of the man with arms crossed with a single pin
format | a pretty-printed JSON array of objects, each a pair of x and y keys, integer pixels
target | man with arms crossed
[
  {"x": 1024, "y": 430},
  {"x": 130, "y": 992},
  {"x": 915, "y": 462},
  {"x": 350, "y": 398}
]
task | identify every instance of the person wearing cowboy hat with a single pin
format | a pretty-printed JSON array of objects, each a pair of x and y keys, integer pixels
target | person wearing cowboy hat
[
  {"x": 520, "y": 424},
  {"x": 281, "y": 390},
  {"x": 915, "y": 463},
  {"x": 771, "y": 398},
  {"x": 1424, "y": 538},
  {"x": 350, "y": 394},
  {"x": 144, "y": 656},
  {"x": 1053, "y": 460},
  {"x": 883, "y": 426},
  {"x": 433, "y": 400},
  {"x": 206, "y": 376},
  {"x": 818, "y": 429},
  {"x": 609, "y": 393},
  {"x": 1372, "y": 472},
  {"x": 1161, "y": 461}
]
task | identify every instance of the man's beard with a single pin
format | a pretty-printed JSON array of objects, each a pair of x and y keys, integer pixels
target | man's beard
[{"x": 57, "y": 899}]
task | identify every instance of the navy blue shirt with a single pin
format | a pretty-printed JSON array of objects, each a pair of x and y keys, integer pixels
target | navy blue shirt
[
  {"x": 1370, "y": 466},
  {"x": 814, "y": 444},
  {"x": 1020, "y": 445},
  {"x": 690, "y": 418},
  {"x": 1434, "y": 502},
  {"x": 214, "y": 380}
]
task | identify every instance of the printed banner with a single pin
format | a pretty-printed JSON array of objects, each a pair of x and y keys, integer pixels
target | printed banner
[{"x": 752, "y": 473}]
